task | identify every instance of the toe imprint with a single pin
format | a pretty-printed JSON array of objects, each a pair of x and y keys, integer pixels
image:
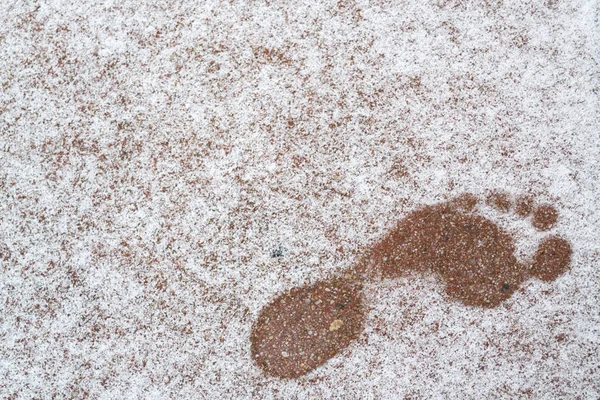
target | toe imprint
[
  {"x": 544, "y": 218},
  {"x": 500, "y": 201},
  {"x": 524, "y": 206},
  {"x": 552, "y": 259}
]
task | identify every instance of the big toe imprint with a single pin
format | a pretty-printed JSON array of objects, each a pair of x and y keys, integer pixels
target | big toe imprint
[
  {"x": 552, "y": 259},
  {"x": 307, "y": 326}
]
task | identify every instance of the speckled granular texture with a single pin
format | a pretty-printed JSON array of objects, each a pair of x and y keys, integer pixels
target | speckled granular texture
[
  {"x": 551, "y": 259},
  {"x": 474, "y": 257},
  {"x": 524, "y": 206},
  {"x": 544, "y": 218},
  {"x": 500, "y": 201},
  {"x": 304, "y": 328},
  {"x": 154, "y": 155}
]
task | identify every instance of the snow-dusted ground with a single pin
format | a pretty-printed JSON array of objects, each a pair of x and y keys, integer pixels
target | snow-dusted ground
[{"x": 154, "y": 154}]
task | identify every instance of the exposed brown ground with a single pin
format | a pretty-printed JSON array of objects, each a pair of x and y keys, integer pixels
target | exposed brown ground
[{"x": 305, "y": 327}]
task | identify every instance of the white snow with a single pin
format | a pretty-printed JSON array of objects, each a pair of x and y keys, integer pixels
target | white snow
[{"x": 154, "y": 153}]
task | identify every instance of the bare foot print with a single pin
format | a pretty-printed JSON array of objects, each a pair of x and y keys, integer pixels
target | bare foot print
[
  {"x": 474, "y": 256},
  {"x": 305, "y": 327}
]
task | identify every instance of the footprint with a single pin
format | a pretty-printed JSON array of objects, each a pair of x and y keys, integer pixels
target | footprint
[
  {"x": 473, "y": 255},
  {"x": 305, "y": 327}
]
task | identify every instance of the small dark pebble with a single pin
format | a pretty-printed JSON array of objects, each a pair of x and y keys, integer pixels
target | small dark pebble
[{"x": 277, "y": 253}]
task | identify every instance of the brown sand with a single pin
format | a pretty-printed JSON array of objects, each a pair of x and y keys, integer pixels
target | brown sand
[
  {"x": 544, "y": 218},
  {"x": 552, "y": 259},
  {"x": 500, "y": 201},
  {"x": 474, "y": 256},
  {"x": 305, "y": 327},
  {"x": 524, "y": 206}
]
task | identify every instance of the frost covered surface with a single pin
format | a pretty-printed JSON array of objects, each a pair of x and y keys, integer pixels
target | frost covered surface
[{"x": 168, "y": 168}]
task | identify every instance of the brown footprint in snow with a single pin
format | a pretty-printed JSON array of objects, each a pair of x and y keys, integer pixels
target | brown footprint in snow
[{"x": 305, "y": 327}]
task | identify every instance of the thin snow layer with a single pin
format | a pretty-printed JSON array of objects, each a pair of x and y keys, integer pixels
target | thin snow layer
[{"x": 156, "y": 155}]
